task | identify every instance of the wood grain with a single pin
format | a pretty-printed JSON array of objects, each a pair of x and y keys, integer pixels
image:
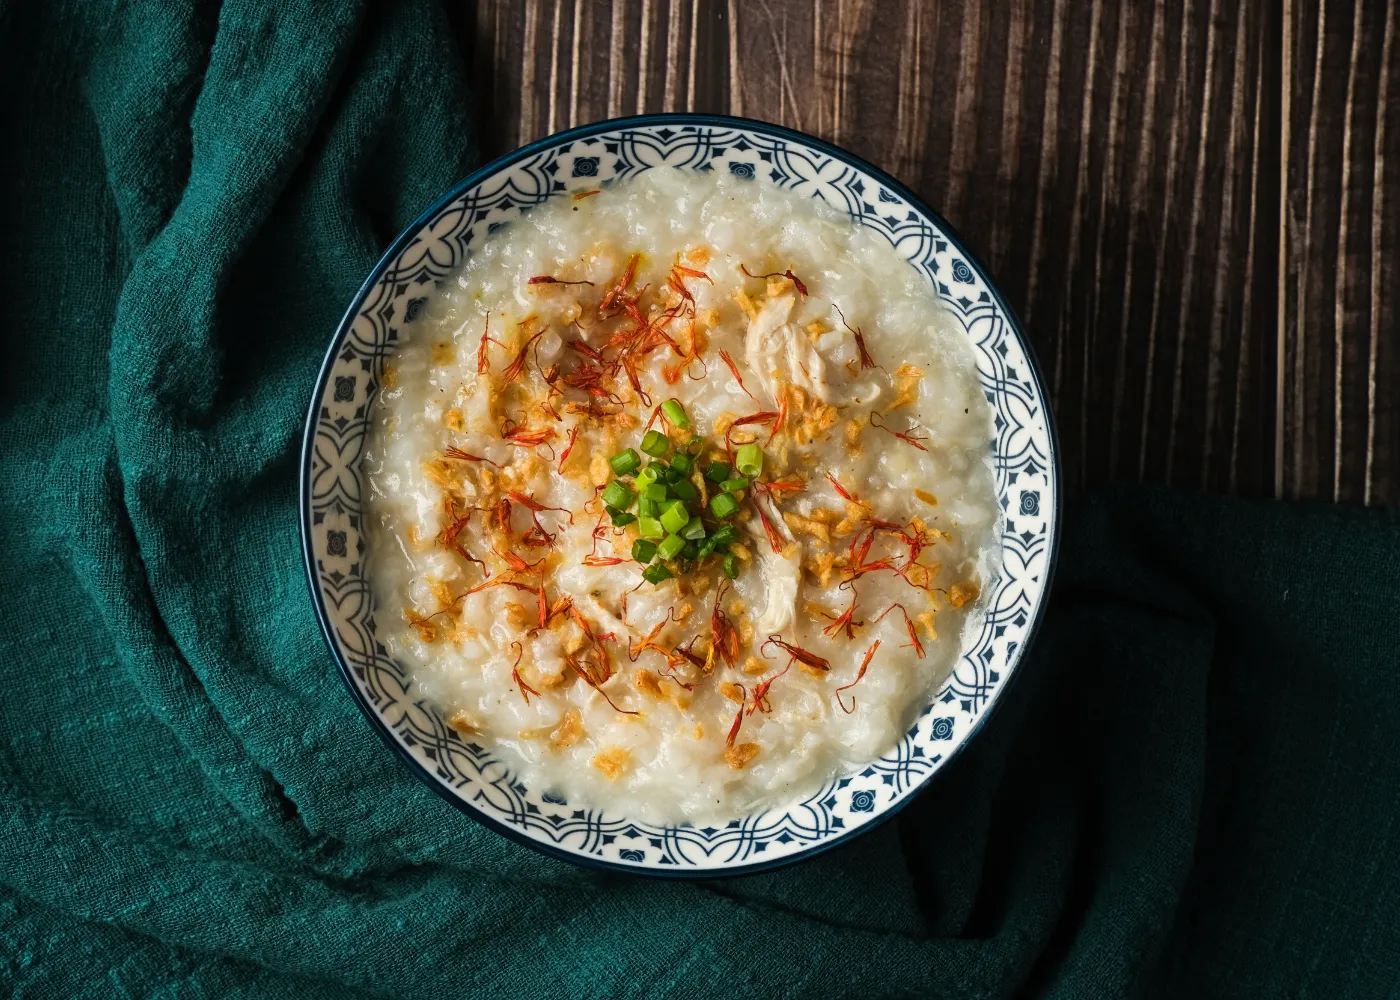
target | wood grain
[
  {"x": 1340, "y": 437},
  {"x": 1202, "y": 256}
]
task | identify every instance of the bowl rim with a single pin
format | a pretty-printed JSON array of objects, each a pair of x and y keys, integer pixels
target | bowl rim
[{"x": 402, "y": 241}]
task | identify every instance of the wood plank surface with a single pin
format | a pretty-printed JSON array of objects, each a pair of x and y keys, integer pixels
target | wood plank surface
[
  {"x": 1340, "y": 428},
  {"x": 1204, "y": 257}
]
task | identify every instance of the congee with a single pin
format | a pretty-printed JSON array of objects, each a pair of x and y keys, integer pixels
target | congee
[{"x": 680, "y": 496}]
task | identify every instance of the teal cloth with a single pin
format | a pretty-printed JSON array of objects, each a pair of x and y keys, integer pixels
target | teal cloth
[{"x": 1192, "y": 788}]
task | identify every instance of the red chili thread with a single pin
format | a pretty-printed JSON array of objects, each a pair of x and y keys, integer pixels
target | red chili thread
[
  {"x": 861, "y": 673},
  {"x": 450, "y": 533},
  {"x": 778, "y": 424},
  {"x": 622, "y": 284},
  {"x": 866, "y": 361},
  {"x": 723, "y": 638},
  {"x": 483, "y": 361},
  {"x": 780, "y": 486},
  {"x": 796, "y": 653},
  {"x": 760, "y": 693},
  {"x": 516, "y": 434},
  {"x": 843, "y": 620},
  {"x": 515, "y": 562},
  {"x": 515, "y": 672},
  {"x": 573, "y": 436},
  {"x": 583, "y": 674},
  {"x": 753, "y": 418},
  {"x": 587, "y": 350},
  {"x": 549, "y": 279},
  {"x": 774, "y": 274},
  {"x": 530, "y": 503},
  {"x": 836, "y": 484},
  {"x": 914, "y": 643},
  {"x": 734, "y": 370},
  {"x": 463, "y": 456},
  {"x": 774, "y": 539},
  {"x": 738, "y": 718},
  {"x": 517, "y": 366},
  {"x": 906, "y": 438}
]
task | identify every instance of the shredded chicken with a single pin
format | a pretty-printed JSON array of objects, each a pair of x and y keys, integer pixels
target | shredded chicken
[
  {"x": 772, "y": 337},
  {"x": 782, "y": 573},
  {"x": 764, "y": 340},
  {"x": 774, "y": 343},
  {"x": 806, "y": 366}
]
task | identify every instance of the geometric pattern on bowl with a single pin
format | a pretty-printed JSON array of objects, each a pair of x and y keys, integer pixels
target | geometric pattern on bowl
[{"x": 332, "y": 491}]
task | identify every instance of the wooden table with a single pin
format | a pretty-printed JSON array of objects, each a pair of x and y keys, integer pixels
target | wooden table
[{"x": 1192, "y": 205}]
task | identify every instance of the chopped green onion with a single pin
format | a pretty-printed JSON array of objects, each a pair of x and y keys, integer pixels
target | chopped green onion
[
  {"x": 684, "y": 490},
  {"x": 694, "y": 529},
  {"x": 645, "y": 478},
  {"x": 648, "y": 508},
  {"x": 718, "y": 472},
  {"x": 656, "y": 573},
  {"x": 655, "y": 444},
  {"x": 707, "y": 547},
  {"x": 625, "y": 462},
  {"x": 674, "y": 518},
  {"x": 696, "y": 445},
  {"x": 672, "y": 476},
  {"x": 643, "y": 551},
  {"x": 618, "y": 495},
  {"x": 749, "y": 460},
  {"x": 723, "y": 504},
  {"x": 734, "y": 485},
  {"x": 731, "y": 566},
  {"x": 655, "y": 492},
  {"x": 621, "y": 518},
  {"x": 671, "y": 547},
  {"x": 725, "y": 534},
  {"x": 682, "y": 463},
  {"x": 675, "y": 413},
  {"x": 691, "y": 551},
  {"x": 650, "y": 527}
]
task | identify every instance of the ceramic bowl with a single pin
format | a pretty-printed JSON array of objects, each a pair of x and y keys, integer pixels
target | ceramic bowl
[{"x": 471, "y": 776}]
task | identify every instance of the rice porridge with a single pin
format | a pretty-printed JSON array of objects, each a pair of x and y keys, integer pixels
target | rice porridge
[{"x": 680, "y": 496}]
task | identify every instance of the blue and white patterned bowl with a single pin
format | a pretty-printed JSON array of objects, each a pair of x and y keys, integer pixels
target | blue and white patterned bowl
[{"x": 332, "y": 492}]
